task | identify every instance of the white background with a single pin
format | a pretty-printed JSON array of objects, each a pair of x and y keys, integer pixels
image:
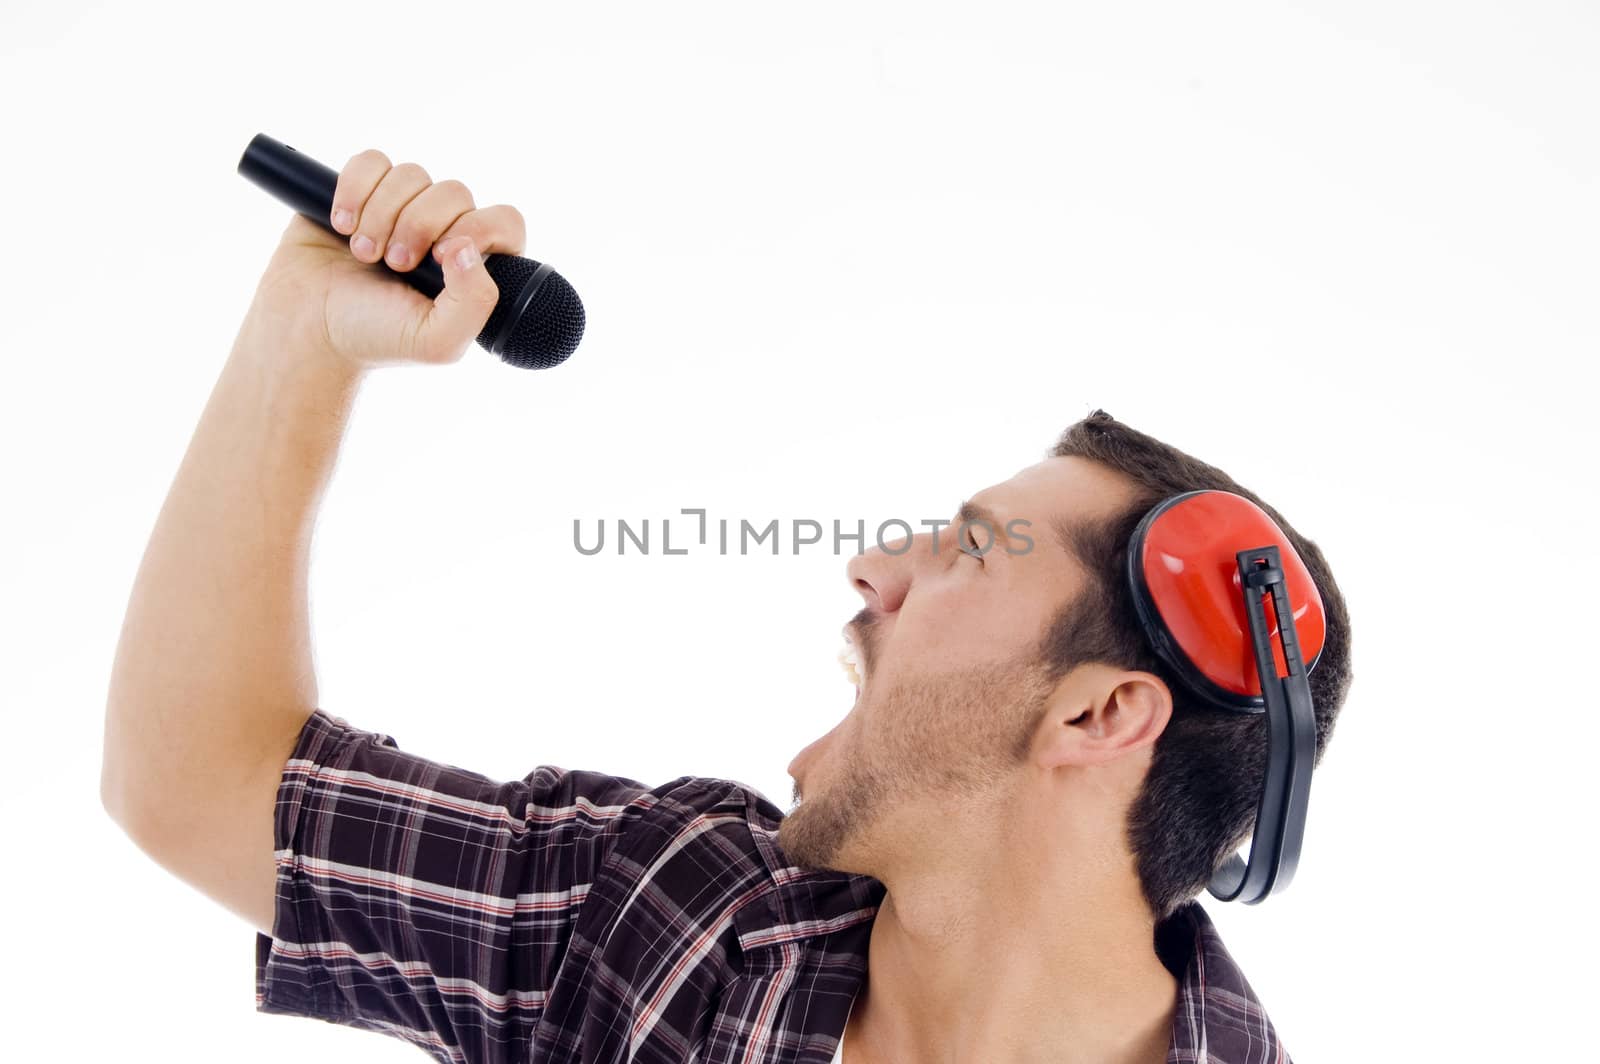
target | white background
[{"x": 845, "y": 262}]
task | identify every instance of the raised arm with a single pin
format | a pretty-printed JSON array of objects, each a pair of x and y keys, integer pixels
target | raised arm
[{"x": 213, "y": 677}]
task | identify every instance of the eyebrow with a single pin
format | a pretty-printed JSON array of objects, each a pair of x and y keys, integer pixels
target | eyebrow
[{"x": 971, "y": 511}]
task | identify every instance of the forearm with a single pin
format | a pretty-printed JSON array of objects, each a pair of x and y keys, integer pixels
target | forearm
[{"x": 213, "y": 669}]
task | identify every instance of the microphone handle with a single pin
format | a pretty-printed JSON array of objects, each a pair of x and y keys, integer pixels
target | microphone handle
[{"x": 307, "y": 187}]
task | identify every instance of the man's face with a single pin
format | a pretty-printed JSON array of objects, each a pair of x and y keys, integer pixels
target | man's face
[{"x": 952, "y": 687}]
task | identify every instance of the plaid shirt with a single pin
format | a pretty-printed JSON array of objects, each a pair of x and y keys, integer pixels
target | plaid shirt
[{"x": 576, "y": 916}]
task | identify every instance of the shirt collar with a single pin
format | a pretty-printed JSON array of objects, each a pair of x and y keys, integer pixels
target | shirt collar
[{"x": 1219, "y": 1019}]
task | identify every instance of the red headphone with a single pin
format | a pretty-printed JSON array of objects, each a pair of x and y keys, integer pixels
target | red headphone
[{"x": 1212, "y": 577}]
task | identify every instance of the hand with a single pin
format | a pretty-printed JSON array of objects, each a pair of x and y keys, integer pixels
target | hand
[{"x": 323, "y": 293}]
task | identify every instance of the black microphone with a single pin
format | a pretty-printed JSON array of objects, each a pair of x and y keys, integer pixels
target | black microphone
[{"x": 539, "y": 319}]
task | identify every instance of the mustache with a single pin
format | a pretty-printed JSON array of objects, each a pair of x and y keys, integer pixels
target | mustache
[{"x": 864, "y": 631}]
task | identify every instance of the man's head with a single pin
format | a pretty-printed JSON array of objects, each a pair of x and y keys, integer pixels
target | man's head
[{"x": 1004, "y": 663}]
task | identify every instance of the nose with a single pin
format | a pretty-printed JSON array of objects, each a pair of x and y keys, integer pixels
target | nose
[{"x": 882, "y": 578}]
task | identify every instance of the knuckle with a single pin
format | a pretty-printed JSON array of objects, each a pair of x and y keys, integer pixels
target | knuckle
[
  {"x": 410, "y": 171},
  {"x": 499, "y": 227},
  {"x": 371, "y": 155},
  {"x": 453, "y": 188},
  {"x": 518, "y": 227}
]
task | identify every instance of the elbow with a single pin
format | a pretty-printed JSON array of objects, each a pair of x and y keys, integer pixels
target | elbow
[
  {"x": 113, "y": 798},
  {"x": 118, "y": 780},
  {"x": 133, "y": 814}
]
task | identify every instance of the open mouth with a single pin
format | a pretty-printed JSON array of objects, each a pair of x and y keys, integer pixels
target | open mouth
[{"x": 850, "y": 662}]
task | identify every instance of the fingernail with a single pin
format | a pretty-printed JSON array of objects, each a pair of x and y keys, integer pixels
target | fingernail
[
  {"x": 467, "y": 257},
  {"x": 397, "y": 254},
  {"x": 343, "y": 219},
  {"x": 362, "y": 245}
]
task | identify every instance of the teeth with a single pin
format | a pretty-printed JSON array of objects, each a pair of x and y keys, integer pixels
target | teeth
[{"x": 851, "y": 663}]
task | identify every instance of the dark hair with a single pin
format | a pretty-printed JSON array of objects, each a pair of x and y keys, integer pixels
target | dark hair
[{"x": 1198, "y": 801}]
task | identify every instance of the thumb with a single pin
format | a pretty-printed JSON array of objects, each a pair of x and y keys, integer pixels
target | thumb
[{"x": 460, "y": 311}]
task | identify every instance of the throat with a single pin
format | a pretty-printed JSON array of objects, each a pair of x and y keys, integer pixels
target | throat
[{"x": 868, "y": 1038}]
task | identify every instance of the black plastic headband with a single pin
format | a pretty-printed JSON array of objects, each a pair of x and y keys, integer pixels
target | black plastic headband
[{"x": 1291, "y": 742}]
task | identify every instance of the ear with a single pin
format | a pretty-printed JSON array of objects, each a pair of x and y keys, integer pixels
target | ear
[{"x": 1100, "y": 713}]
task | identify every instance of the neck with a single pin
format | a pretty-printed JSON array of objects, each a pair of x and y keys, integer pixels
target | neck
[{"x": 999, "y": 955}]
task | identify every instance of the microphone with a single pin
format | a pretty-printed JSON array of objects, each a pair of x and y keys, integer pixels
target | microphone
[{"x": 539, "y": 319}]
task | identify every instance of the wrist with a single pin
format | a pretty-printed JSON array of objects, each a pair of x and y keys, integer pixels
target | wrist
[{"x": 271, "y": 345}]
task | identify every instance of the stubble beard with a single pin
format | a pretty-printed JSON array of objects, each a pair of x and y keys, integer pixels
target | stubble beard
[{"x": 931, "y": 748}]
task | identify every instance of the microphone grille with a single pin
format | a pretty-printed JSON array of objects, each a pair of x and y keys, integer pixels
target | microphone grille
[{"x": 547, "y": 330}]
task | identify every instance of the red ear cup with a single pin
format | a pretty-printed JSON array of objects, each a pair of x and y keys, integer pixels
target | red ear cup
[{"x": 1183, "y": 566}]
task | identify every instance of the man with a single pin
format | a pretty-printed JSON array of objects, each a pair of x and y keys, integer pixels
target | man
[{"x": 992, "y": 858}]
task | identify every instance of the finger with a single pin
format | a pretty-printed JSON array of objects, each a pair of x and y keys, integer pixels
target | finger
[
  {"x": 461, "y": 310},
  {"x": 424, "y": 219},
  {"x": 356, "y": 182},
  {"x": 495, "y": 230},
  {"x": 397, "y": 188}
]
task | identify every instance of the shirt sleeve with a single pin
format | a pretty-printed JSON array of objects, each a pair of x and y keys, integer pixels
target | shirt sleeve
[{"x": 424, "y": 901}]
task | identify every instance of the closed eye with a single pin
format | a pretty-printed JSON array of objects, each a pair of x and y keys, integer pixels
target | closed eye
[{"x": 969, "y": 544}]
